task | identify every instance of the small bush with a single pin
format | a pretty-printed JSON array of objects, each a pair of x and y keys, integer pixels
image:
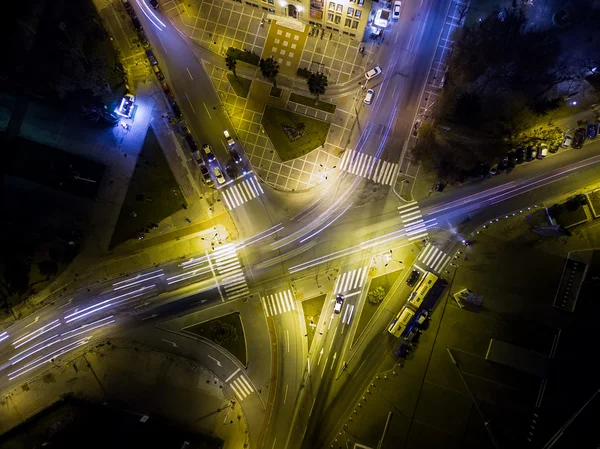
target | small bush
[{"x": 375, "y": 296}]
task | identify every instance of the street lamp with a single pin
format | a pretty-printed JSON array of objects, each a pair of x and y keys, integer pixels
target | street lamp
[
  {"x": 326, "y": 169},
  {"x": 389, "y": 257}
]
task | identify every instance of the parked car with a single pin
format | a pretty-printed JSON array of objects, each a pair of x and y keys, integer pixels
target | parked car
[
  {"x": 198, "y": 157},
  {"x": 567, "y": 141},
  {"x": 206, "y": 176},
  {"x": 175, "y": 108},
  {"x": 439, "y": 186},
  {"x": 369, "y": 97},
  {"x": 184, "y": 128},
  {"x": 502, "y": 166},
  {"x": 235, "y": 156},
  {"x": 415, "y": 131},
  {"x": 228, "y": 138},
  {"x": 158, "y": 73},
  {"x": 373, "y": 73},
  {"x": 578, "y": 138},
  {"x": 413, "y": 278},
  {"x": 402, "y": 351},
  {"x": 143, "y": 40},
  {"x": 531, "y": 154},
  {"x": 210, "y": 156},
  {"x": 191, "y": 143},
  {"x": 542, "y": 151},
  {"x": 339, "y": 301},
  {"x": 137, "y": 24},
  {"x": 128, "y": 7},
  {"x": 520, "y": 155},
  {"x": 167, "y": 90},
  {"x": 494, "y": 167},
  {"x": 218, "y": 175},
  {"x": 511, "y": 161},
  {"x": 554, "y": 147},
  {"x": 396, "y": 10},
  {"x": 231, "y": 171},
  {"x": 592, "y": 131},
  {"x": 151, "y": 57}
]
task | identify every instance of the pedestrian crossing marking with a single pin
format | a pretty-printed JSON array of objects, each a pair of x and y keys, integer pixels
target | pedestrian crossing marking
[
  {"x": 278, "y": 303},
  {"x": 228, "y": 266},
  {"x": 237, "y": 194},
  {"x": 351, "y": 280},
  {"x": 241, "y": 387},
  {"x": 367, "y": 166},
  {"x": 412, "y": 220},
  {"x": 434, "y": 258}
]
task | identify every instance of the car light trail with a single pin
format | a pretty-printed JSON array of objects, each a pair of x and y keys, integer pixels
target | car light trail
[
  {"x": 50, "y": 356},
  {"x": 138, "y": 279},
  {"x": 327, "y": 225},
  {"x": 3, "y": 336},
  {"x": 30, "y": 336},
  {"x": 257, "y": 238},
  {"x": 143, "y": 6},
  {"x": 187, "y": 275},
  {"x": 107, "y": 303}
]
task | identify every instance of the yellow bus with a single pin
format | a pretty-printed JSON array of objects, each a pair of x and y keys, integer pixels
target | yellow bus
[
  {"x": 422, "y": 289},
  {"x": 401, "y": 321}
]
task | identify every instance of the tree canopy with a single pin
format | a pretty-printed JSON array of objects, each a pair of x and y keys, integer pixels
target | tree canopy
[{"x": 269, "y": 69}]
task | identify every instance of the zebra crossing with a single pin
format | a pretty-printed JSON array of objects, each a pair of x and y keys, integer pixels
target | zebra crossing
[
  {"x": 367, "y": 166},
  {"x": 433, "y": 258},
  {"x": 227, "y": 265},
  {"x": 351, "y": 280},
  {"x": 412, "y": 220},
  {"x": 279, "y": 303},
  {"x": 241, "y": 386},
  {"x": 237, "y": 194}
]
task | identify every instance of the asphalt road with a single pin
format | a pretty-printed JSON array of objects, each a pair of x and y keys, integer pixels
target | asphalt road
[{"x": 343, "y": 223}]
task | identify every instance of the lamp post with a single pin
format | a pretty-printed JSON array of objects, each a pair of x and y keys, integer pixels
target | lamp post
[
  {"x": 390, "y": 258},
  {"x": 326, "y": 170}
]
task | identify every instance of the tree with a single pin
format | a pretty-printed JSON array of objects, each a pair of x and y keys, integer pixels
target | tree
[
  {"x": 376, "y": 296},
  {"x": 317, "y": 84},
  {"x": 48, "y": 267},
  {"x": 231, "y": 64},
  {"x": 269, "y": 69},
  {"x": 223, "y": 332}
]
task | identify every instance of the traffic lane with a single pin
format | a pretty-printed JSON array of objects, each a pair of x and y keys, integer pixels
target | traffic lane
[
  {"x": 290, "y": 364},
  {"x": 196, "y": 96},
  {"x": 556, "y": 170}
]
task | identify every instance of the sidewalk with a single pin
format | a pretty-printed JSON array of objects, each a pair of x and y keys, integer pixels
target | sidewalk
[{"x": 138, "y": 379}]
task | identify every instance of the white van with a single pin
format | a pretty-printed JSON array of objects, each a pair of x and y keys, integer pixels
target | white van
[{"x": 369, "y": 96}]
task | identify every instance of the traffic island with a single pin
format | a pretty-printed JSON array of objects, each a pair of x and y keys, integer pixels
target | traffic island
[
  {"x": 226, "y": 331},
  {"x": 292, "y": 134},
  {"x": 152, "y": 195},
  {"x": 378, "y": 290},
  {"x": 312, "y": 309}
]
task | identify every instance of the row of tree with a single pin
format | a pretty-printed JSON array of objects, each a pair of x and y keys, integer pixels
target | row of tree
[{"x": 317, "y": 82}]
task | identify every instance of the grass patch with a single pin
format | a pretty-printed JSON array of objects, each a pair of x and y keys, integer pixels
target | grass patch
[
  {"x": 244, "y": 56},
  {"x": 235, "y": 342},
  {"x": 308, "y": 101},
  {"x": 240, "y": 85},
  {"x": 150, "y": 197},
  {"x": 276, "y": 120},
  {"x": 385, "y": 281},
  {"x": 312, "y": 312}
]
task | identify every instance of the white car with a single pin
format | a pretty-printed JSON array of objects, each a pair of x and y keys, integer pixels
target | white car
[
  {"x": 396, "y": 10},
  {"x": 369, "y": 97},
  {"x": 219, "y": 175},
  {"x": 228, "y": 137},
  {"x": 339, "y": 301},
  {"x": 567, "y": 141},
  {"x": 542, "y": 151},
  {"x": 210, "y": 156},
  {"x": 373, "y": 72}
]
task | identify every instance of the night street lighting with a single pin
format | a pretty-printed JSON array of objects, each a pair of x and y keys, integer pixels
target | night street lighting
[{"x": 389, "y": 257}]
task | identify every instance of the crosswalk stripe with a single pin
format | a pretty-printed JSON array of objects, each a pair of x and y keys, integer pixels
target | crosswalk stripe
[
  {"x": 249, "y": 193},
  {"x": 362, "y": 281},
  {"x": 338, "y": 282},
  {"x": 238, "y": 194},
  {"x": 351, "y": 280},
  {"x": 288, "y": 295},
  {"x": 407, "y": 206},
  {"x": 255, "y": 192},
  {"x": 344, "y": 160},
  {"x": 226, "y": 198},
  {"x": 257, "y": 184},
  {"x": 369, "y": 167},
  {"x": 357, "y": 278},
  {"x": 237, "y": 393}
]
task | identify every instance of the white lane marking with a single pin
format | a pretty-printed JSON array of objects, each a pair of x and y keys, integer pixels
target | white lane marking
[
  {"x": 189, "y": 73},
  {"x": 218, "y": 363},
  {"x": 190, "y": 102},
  {"x": 286, "y": 392},
  {"x": 233, "y": 374},
  {"x": 169, "y": 341},
  {"x": 209, "y": 116}
]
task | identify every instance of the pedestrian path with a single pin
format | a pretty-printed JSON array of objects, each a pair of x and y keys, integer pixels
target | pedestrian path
[
  {"x": 367, "y": 166},
  {"x": 237, "y": 194},
  {"x": 241, "y": 387},
  {"x": 227, "y": 266},
  {"x": 278, "y": 303},
  {"x": 351, "y": 280},
  {"x": 433, "y": 258},
  {"x": 412, "y": 220}
]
